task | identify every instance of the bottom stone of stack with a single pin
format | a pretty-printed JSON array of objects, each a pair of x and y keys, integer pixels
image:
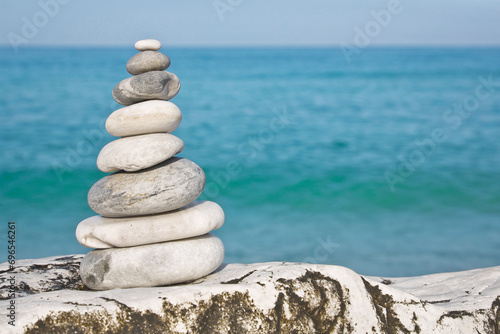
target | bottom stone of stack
[{"x": 152, "y": 265}]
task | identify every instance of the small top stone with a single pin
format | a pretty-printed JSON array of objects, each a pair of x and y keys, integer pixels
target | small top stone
[{"x": 148, "y": 45}]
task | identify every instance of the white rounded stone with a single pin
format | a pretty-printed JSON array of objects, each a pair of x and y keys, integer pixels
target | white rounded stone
[
  {"x": 147, "y": 61},
  {"x": 138, "y": 152},
  {"x": 148, "y": 44},
  {"x": 195, "y": 219},
  {"x": 144, "y": 117},
  {"x": 154, "y": 85},
  {"x": 152, "y": 265},
  {"x": 167, "y": 186}
]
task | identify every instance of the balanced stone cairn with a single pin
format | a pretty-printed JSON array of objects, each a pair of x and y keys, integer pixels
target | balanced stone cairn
[{"x": 150, "y": 232}]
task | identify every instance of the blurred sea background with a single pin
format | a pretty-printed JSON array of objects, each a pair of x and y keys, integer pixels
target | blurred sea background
[{"x": 387, "y": 164}]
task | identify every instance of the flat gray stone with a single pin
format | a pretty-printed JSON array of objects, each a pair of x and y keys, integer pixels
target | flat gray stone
[
  {"x": 154, "y": 85},
  {"x": 152, "y": 265},
  {"x": 147, "y": 61},
  {"x": 167, "y": 186},
  {"x": 148, "y": 44},
  {"x": 194, "y": 219},
  {"x": 144, "y": 117},
  {"x": 138, "y": 152}
]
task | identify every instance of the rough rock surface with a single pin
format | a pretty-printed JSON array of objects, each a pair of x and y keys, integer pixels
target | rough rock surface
[
  {"x": 154, "y": 85},
  {"x": 254, "y": 298},
  {"x": 167, "y": 186}
]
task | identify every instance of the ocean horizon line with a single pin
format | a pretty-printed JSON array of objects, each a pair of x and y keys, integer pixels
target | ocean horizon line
[{"x": 261, "y": 46}]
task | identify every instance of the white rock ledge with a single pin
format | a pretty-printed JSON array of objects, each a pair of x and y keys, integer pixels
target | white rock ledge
[{"x": 272, "y": 297}]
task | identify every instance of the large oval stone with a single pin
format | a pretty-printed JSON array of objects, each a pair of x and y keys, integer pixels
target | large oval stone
[
  {"x": 144, "y": 117},
  {"x": 147, "y": 61},
  {"x": 155, "y": 85},
  {"x": 138, "y": 152},
  {"x": 152, "y": 265},
  {"x": 167, "y": 186},
  {"x": 192, "y": 220}
]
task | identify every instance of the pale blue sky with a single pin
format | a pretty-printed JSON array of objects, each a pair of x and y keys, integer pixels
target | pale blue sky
[{"x": 248, "y": 22}]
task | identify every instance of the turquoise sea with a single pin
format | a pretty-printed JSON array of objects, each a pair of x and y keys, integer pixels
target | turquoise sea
[{"x": 388, "y": 164}]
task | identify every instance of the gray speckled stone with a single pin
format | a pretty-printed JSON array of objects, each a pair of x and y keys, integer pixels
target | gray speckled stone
[
  {"x": 148, "y": 44},
  {"x": 144, "y": 117},
  {"x": 138, "y": 152},
  {"x": 154, "y": 85},
  {"x": 147, "y": 61},
  {"x": 189, "y": 221},
  {"x": 152, "y": 265},
  {"x": 167, "y": 186}
]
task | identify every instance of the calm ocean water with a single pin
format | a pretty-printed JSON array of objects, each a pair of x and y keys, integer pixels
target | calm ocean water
[{"x": 388, "y": 165}]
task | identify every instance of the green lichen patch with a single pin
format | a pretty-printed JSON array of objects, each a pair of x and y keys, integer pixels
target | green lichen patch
[
  {"x": 384, "y": 307},
  {"x": 126, "y": 320},
  {"x": 495, "y": 319},
  {"x": 226, "y": 312},
  {"x": 62, "y": 273},
  {"x": 455, "y": 315},
  {"x": 312, "y": 303}
]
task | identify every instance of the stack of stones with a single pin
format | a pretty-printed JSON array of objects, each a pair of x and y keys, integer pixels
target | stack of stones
[{"x": 150, "y": 232}]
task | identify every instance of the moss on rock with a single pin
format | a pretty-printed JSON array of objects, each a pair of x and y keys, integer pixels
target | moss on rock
[{"x": 320, "y": 308}]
